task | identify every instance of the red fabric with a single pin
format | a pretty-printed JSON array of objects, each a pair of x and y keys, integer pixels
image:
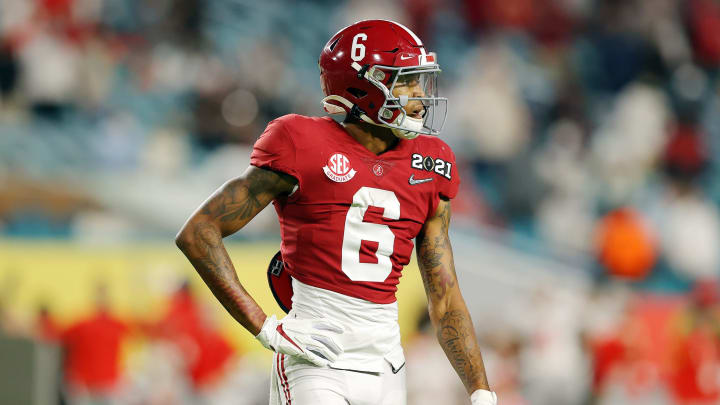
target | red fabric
[
  {"x": 694, "y": 380},
  {"x": 312, "y": 220},
  {"x": 282, "y": 333},
  {"x": 182, "y": 317},
  {"x": 606, "y": 353},
  {"x": 213, "y": 354},
  {"x": 92, "y": 351},
  {"x": 685, "y": 151},
  {"x": 280, "y": 364},
  {"x": 206, "y": 352},
  {"x": 57, "y": 8},
  {"x": 500, "y": 13},
  {"x": 705, "y": 25}
]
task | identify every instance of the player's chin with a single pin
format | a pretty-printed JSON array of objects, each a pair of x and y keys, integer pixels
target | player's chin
[{"x": 417, "y": 114}]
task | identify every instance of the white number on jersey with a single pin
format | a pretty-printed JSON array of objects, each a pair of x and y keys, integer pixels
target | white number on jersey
[{"x": 356, "y": 231}]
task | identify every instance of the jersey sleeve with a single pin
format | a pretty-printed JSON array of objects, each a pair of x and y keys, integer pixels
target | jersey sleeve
[
  {"x": 275, "y": 149},
  {"x": 448, "y": 188}
]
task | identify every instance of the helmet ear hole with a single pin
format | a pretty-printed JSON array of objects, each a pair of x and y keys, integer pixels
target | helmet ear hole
[{"x": 357, "y": 93}]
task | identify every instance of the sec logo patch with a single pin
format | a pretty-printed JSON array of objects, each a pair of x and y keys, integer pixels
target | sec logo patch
[{"x": 338, "y": 168}]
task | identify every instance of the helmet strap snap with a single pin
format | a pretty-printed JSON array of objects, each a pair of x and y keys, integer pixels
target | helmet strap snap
[{"x": 362, "y": 71}]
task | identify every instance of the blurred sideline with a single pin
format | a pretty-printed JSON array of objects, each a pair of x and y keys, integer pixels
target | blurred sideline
[{"x": 61, "y": 275}]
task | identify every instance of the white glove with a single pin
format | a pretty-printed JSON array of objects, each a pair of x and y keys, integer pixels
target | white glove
[
  {"x": 308, "y": 339},
  {"x": 483, "y": 397}
]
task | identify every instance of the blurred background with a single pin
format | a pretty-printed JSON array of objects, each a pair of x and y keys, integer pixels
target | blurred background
[{"x": 586, "y": 232}]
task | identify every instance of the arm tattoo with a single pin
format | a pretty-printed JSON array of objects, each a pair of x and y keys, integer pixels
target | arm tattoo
[
  {"x": 457, "y": 338},
  {"x": 241, "y": 200},
  {"x": 228, "y": 210},
  {"x": 434, "y": 254},
  {"x": 212, "y": 262},
  {"x": 447, "y": 308}
]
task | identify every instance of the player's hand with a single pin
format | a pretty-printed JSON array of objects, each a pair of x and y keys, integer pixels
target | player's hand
[
  {"x": 483, "y": 397},
  {"x": 309, "y": 339}
]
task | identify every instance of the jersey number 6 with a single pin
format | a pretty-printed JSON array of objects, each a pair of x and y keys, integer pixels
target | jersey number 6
[{"x": 356, "y": 230}]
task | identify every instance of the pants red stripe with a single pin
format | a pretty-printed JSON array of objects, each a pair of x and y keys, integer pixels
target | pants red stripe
[
  {"x": 287, "y": 385},
  {"x": 280, "y": 363}
]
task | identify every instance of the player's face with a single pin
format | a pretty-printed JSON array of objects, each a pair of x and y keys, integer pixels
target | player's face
[{"x": 411, "y": 86}]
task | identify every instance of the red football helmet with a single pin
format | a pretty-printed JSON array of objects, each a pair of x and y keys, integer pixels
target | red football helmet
[{"x": 361, "y": 65}]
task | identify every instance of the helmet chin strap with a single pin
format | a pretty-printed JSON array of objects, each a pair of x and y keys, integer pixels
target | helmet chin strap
[
  {"x": 406, "y": 127},
  {"x": 409, "y": 128},
  {"x": 399, "y": 132}
]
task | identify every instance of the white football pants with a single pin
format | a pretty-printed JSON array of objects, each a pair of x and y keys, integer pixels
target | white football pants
[{"x": 294, "y": 382}]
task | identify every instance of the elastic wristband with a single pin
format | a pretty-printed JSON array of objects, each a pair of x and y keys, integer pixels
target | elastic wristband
[{"x": 483, "y": 397}]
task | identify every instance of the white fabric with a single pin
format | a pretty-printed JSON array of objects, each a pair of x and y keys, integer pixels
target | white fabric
[
  {"x": 297, "y": 383},
  {"x": 483, "y": 397},
  {"x": 371, "y": 332},
  {"x": 312, "y": 340}
]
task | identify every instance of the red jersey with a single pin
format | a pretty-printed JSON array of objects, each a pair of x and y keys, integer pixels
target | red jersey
[{"x": 350, "y": 224}]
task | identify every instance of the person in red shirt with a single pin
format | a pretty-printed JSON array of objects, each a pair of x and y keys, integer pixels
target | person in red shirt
[
  {"x": 696, "y": 353},
  {"x": 92, "y": 364},
  {"x": 206, "y": 352}
]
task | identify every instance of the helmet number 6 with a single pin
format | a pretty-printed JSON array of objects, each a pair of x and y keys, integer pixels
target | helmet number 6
[{"x": 358, "y": 50}]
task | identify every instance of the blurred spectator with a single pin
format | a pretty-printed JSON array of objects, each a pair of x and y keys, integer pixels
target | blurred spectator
[
  {"x": 685, "y": 154},
  {"x": 207, "y": 355},
  {"x": 50, "y": 78},
  {"x": 551, "y": 363},
  {"x": 9, "y": 70},
  {"x": 566, "y": 213},
  {"x": 625, "y": 245},
  {"x": 92, "y": 346},
  {"x": 631, "y": 140},
  {"x": 633, "y": 362},
  {"x": 704, "y": 19},
  {"x": 490, "y": 117},
  {"x": 695, "y": 352}
]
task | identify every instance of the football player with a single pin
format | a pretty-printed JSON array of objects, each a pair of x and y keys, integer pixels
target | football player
[{"x": 350, "y": 198}]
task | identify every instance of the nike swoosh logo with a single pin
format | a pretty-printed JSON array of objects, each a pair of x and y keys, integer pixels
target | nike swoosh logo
[
  {"x": 402, "y": 57},
  {"x": 413, "y": 181}
]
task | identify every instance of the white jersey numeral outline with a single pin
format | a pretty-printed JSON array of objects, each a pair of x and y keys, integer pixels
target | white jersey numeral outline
[{"x": 356, "y": 230}]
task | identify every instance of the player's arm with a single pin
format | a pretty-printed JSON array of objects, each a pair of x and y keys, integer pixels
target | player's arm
[
  {"x": 225, "y": 212},
  {"x": 446, "y": 305}
]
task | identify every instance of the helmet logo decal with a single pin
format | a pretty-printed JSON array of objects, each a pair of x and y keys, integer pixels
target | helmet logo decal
[{"x": 338, "y": 168}]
